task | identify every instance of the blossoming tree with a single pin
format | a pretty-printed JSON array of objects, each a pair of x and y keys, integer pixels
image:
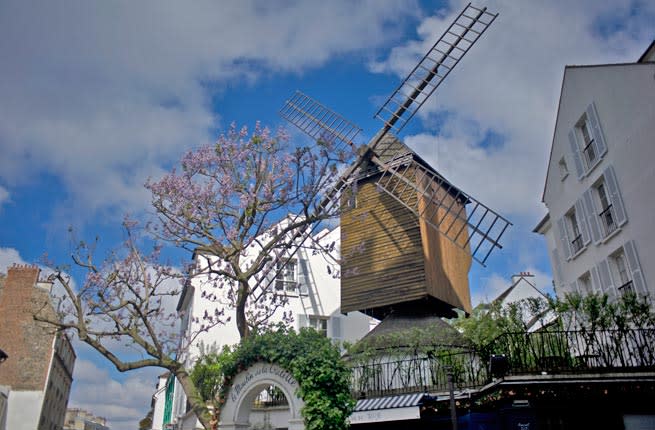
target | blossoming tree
[{"x": 225, "y": 202}]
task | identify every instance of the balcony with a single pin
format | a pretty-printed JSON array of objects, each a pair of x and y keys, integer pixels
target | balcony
[
  {"x": 607, "y": 220},
  {"x": 627, "y": 288},
  {"x": 576, "y": 244},
  {"x": 538, "y": 353},
  {"x": 589, "y": 153}
]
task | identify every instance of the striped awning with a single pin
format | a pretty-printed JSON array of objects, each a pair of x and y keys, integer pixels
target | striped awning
[
  {"x": 389, "y": 402},
  {"x": 390, "y": 408}
]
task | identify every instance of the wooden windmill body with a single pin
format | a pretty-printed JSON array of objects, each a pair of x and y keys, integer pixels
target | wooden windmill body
[
  {"x": 408, "y": 236},
  {"x": 391, "y": 258}
]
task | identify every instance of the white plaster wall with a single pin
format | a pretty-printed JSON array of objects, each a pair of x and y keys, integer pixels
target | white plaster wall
[
  {"x": 24, "y": 410},
  {"x": 624, "y": 96},
  {"x": 160, "y": 402},
  {"x": 323, "y": 300}
]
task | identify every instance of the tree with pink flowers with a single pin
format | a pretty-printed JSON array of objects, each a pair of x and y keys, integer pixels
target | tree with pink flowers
[{"x": 245, "y": 204}]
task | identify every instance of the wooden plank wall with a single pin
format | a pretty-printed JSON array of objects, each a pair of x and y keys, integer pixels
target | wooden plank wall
[
  {"x": 446, "y": 264},
  {"x": 381, "y": 251}
]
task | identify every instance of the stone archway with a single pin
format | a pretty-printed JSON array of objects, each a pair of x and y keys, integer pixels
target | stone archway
[{"x": 235, "y": 413}]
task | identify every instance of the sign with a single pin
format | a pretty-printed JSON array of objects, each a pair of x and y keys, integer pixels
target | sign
[{"x": 381, "y": 415}]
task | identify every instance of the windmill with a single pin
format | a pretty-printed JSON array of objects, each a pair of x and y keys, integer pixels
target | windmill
[{"x": 409, "y": 235}]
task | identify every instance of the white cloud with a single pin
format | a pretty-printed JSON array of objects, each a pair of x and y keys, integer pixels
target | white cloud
[
  {"x": 508, "y": 85},
  {"x": 103, "y": 95},
  {"x": 8, "y": 257},
  {"x": 123, "y": 403},
  {"x": 4, "y": 195}
]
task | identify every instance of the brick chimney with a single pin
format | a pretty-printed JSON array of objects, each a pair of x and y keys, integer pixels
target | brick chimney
[{"x": 27, "y": 342}]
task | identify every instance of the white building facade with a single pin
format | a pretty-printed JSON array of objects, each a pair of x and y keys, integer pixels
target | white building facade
[
  {"x": 599, "y": 187},
  {"x": 311, "y": 284}
]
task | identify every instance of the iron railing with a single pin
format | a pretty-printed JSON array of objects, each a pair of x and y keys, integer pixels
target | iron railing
[
  {"x": 589, "y": 153},
  {"x": 384, "y": 376},
  {"x": 607, "y": 217},
  {"x": 626, "y": 288},
  {"x": 577, "y": 243},
  {"x": 535, "y": 353}
]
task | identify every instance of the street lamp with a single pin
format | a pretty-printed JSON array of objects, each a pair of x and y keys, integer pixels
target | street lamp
[{"x": 3, "y": 356}]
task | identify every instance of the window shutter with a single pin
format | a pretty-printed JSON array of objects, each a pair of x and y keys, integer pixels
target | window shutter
[
  {"x": 592, "y": 215},
  {"x": 595, "y": 281},
  {"x": 635, "y": 268},
  {"x": 599, "y": 139},
  {"x": 303, "y": 276},
  {"x": 615, "y": 196},
  {"x": 335, "y": 322},
  {"x": 582, "y": 221},
  {"x": 605, "y": 278},
  {"x": 303, "y": 321},
  {"x": 564, "y": 238},
  {"x": 575, "y": 149},
  {"x": 558, "y": 267}
]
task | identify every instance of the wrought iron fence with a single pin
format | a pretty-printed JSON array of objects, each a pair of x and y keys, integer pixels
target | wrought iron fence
[
  {"x": 575, "y": 351},
  {"x": 427, "y": 372},
  {"x": 526, "y": 353}
]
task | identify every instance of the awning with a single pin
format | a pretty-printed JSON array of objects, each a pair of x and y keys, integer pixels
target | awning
[{"x": 390, "y": 408}]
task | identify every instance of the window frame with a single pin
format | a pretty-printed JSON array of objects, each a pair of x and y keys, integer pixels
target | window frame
[{"x": 282, "y": 283}]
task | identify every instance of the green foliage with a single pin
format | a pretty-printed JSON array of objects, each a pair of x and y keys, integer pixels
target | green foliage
[
  {"x": 587, "y": 313},
  {"x": 312, "y": 359}
]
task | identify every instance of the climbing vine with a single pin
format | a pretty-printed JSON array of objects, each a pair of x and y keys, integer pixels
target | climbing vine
[{"x": 312, "y": 359}]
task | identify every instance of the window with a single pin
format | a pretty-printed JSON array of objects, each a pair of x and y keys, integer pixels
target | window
[
  {"x": 563, "y": 169},
  {"x": 588, "y": 146},
  {"x": 620, "y": 272},
  {"x": 574, "y": 230},
  {"x": 319, "y": 324},
  {"x": 607, "y": 217},
  {"x": 587, "y": 142},
  {"x": 286, "y": 279},
  {"x": 584, "y": 284}
]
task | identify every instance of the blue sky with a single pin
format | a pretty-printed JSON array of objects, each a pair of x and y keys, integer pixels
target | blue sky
[{"x": 97, "y": 97}]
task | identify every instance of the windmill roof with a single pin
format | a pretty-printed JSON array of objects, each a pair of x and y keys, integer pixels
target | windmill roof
[{"x": 391, "y": 150}]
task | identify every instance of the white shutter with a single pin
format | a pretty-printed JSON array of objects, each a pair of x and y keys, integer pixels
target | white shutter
[
  {"x": 615, "y": 196},
  {"x": 303, "y": 276},
  {"x": 582, "y": 222},
  {"x": 599, "y": 140},
  {"x": 564, "y": 238},
  {"x": 303, "y": 321},
  {"x": 335, "y": 329},
  {"x": 592, "y": 215},
  {"x": 606, "y": 278},
  {"x": 575, "y": 149},
  {"x": 595, "y": 281},
  {"x": 635, "y": 268}
]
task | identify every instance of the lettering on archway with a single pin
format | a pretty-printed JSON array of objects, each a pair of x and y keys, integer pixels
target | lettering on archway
[{"x": 236, "y": 411}]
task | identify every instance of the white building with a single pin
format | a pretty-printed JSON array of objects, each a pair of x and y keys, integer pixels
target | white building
[
  {"x": 600, "y": 179},
  {"x": 312, "y": 286}
]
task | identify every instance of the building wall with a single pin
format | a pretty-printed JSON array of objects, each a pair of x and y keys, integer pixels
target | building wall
[
  {"x": 159, "y": 403},
  {"x": 320, "y": 299},
  {"x": 40, "y": 364},
  {"x": 624, "y": 98}
]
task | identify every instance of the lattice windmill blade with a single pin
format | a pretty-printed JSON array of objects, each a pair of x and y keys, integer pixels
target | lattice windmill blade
[
  {"x": 464, "y": 220},
  {"x": 318, "y": 121},
  {"x": 433, "y": 68}
]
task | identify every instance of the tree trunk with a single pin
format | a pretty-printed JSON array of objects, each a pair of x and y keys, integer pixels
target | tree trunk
[
  {"x": 198, "y": 405},
  {"x": 242, "y": 324}
]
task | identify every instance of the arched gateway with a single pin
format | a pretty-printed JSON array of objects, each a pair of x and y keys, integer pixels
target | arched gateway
[{"x": 247, "y": 385}]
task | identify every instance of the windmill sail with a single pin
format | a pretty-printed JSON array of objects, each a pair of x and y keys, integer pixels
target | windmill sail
[
  {"x": 433, "y": 68},
  {"x": 469, "y": 224}
]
